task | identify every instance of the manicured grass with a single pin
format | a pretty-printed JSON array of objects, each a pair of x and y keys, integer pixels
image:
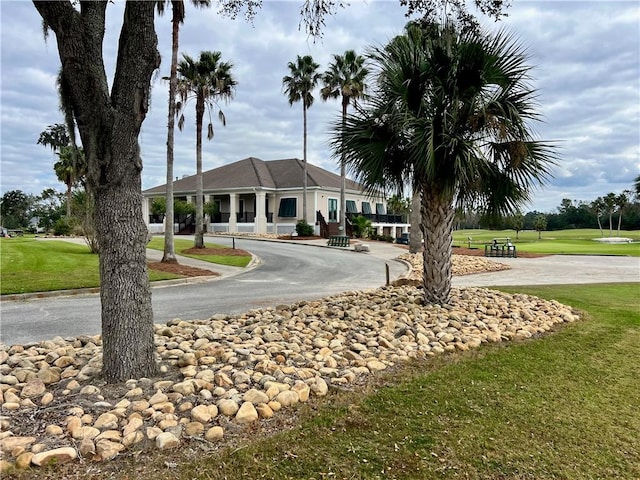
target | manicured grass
[
  {"x": 181, "y": 245},
  {"x": 561, "y": 406},
  {"x": 568, "y": 242},
  {"x": 30, "y": 265}
]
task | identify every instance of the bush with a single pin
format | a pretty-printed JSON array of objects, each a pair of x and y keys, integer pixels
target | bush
[
  {"x": 303, "y": 229},
  {"x": 63, "y": 227},
  {"x": 361, "y": 227}
]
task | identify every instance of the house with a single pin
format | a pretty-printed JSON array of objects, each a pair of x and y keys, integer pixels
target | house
[{"x": 258, "y": 196}]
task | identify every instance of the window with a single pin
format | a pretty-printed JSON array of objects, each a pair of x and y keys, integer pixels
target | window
[
  {"x": 366, "y": 208},
  {"x": 380, "y": 208},
  {"x": 351, "y": 206},
  {"x": 288, "y": 207},
  {"x": 333, "y": 210}
]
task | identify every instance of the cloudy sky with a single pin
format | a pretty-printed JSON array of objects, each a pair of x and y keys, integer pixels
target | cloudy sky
[{"x": 586, "y": 54}]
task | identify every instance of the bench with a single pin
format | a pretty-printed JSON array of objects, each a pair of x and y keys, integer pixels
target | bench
[
  {"x": 500, "y": 247},
  {"x": 338, "y": 241}
]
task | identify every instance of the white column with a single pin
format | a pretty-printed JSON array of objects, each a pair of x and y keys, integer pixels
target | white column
[
  {"x": 260, "y": 222},
  {"x": 233, "y": 223},
  {"x": 145, "y": 210}
]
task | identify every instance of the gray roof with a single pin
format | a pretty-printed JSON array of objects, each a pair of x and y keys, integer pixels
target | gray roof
[{"x": 253, "y": 172}]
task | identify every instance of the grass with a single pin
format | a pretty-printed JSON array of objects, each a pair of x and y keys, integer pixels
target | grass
[
  {"x": 560, "y": 406},
  {"x": 182, "y": 245},
  {"x": 29, "y": 265},
  {"x": 564, "y": 405},
  {"x": 572, "y": 242}
]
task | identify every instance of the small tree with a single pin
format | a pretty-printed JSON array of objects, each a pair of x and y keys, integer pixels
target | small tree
[
  {"x": 182, "y": 207},
  {"x": 540, "y": 224},
  {"x": 159, "y": 208},
  {"x": 211, "y": 209},
  {"x": 517, "y": 222},
  {"x": 361, "y": 227},
  {"x": 83, "y": 208}
]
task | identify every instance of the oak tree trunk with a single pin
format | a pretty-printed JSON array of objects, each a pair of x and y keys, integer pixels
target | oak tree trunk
[
  {"x": 109, "y": 124},
  {"x": 437, "y": 229}
]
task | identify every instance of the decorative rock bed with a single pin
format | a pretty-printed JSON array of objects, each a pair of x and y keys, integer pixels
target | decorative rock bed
[
  {"x": 227, "y": 371},
  {"x": 460, "y": 265}
]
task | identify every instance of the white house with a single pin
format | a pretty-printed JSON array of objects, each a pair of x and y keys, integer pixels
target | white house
[{"x": 257, "y": 196}]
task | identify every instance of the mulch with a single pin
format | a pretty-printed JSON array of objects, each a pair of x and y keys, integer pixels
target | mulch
[{"x": 187, "y": 271}]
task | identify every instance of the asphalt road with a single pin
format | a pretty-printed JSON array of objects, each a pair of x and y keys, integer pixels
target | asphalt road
[{"x": 285, "y": 273}]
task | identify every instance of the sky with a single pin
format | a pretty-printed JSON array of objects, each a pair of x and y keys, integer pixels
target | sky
[{"x": 586, "y": 58}]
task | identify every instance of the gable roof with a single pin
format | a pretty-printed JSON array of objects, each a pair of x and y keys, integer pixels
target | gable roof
[{"x": 254, "y": 172}]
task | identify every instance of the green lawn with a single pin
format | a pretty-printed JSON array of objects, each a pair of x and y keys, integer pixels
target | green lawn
[
  {"x": 30, "y": 265},
  {"x": 157, "y": 243},
  {"x": 579, "y": 241},
  {"x": 561, "y": 406}
]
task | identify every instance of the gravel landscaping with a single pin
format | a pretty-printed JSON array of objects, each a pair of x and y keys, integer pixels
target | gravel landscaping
[{"x": 221, "y": 374}]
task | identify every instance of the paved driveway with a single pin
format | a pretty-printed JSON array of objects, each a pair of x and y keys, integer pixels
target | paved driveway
[{"x": 558, "y": 270}]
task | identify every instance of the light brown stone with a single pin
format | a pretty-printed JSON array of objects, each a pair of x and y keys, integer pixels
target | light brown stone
[
  {"x": 167, "y": 440},
  {"x": 246, "y": 414},
  {"x": 34, "y": 388},
  {"x": 201, "y": 414},
  {"x": 106, "y": 449},
  {"x": 106, "y": 421},
  {"x": 214, "y": 434},
  {"x": 57, "y": 455},
  {"x": 8, "y": 444}
]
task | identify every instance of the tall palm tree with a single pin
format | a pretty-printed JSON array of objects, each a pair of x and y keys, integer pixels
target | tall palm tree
[
  {"x": 178, "y": 15},
  {"x": 206, "y": 80},
  {"x": 298, "y": 86},
  {"x": 449, "y": 114},
  {"x": 70, "y": 169},
  {"x": 345, "y": 77}
]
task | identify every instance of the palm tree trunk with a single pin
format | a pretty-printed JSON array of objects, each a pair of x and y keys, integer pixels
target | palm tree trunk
[
  {"x": 437, "y": 229},
  {"x": 600, "y": 225},
  {"x": 415, "y": 239},
  {"x": 343, "y": 177},
  {"x": 199, "y": 237},
  {"x": 69, "y": 186},
  {"x": 169, "y": 255},
  {"x": 304, "y": 162},
  {"x": 619, "y": 221}
]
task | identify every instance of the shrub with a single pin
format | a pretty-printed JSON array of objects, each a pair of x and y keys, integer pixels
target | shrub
[
  {"x": 361, "y": 227},
  {"x": 63, "y": 226},
  {"x": 303, "y": 229}
]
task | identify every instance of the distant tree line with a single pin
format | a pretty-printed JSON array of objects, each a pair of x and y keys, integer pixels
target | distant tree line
[{"x": 609, "y": 213}]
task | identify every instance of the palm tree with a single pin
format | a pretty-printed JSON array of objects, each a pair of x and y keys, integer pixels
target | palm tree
[
  {"x": 598, "y": 206},
  {"x": 178, "y": 14},
  {"x": 345, "y": 78},
  {"x": 298, "y": 86},
  {"x": 621, "y": 202},
  {"x": 206, "y": 80},
  {"x": 449, "y": 115},
  {"x": 70, "y": 169}
]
